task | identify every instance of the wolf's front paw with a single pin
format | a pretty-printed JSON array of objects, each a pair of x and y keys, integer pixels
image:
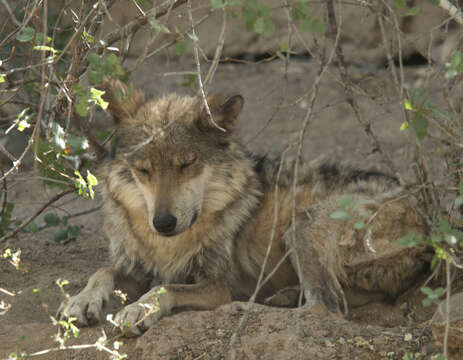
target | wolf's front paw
[
  {"x": 86, "y": 307},
  {"x": 138, "y": 317}
]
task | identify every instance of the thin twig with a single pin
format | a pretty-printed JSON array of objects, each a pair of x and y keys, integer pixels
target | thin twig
[
  {"x": 352, "y": 100},
  {"x": 173, "y": 42},
  {"x": 4, "y": 197},
  {"x": 218, "y": 50},
  {"x": 305, "y": 123},
  {"x": 12, "y": 17},
  {"x": 447, "y": 306},
  {"x": 136, "y": 24},
  {"x": 198, "y": 69},
  {"x": 37, "y": 213},
  {"x": 43, "y": 87},
  {"x": 252, "y": 299},
  {"x": 77, "y": 214},
  {"x": 24, "y": 23}
]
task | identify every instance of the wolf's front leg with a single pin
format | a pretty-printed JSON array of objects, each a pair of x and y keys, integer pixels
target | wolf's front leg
[
  {"x": 160, "y": 301},
  {"x": 87, "y": 305}
]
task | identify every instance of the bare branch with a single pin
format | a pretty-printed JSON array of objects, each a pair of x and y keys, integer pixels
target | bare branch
[
  {"x": 198, "y": 69},
  {"x": 37, "y": 213},
  {"x": 13, "y": 18}
]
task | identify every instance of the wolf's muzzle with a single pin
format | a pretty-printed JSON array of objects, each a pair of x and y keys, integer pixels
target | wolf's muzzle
[{"x": 165, "y": 223}]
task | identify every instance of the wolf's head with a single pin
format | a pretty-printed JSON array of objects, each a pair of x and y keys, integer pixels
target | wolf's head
[{"x": 178, "y": 156}]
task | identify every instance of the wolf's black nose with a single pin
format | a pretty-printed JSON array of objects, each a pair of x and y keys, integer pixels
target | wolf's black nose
[{"x": 164, "y": 222}]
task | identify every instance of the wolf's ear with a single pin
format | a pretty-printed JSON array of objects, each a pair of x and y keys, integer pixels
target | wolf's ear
[
  {"x": 124, "y": 101},
  {"x": 224, "y": 110}
]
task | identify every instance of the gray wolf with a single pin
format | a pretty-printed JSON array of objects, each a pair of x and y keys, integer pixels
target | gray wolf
[{"x": 188, "y": 209}]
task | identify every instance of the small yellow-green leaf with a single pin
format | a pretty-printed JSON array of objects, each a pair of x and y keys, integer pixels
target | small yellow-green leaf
[
  {"x": 91, "y": 179},
  {"x": 23, "y": 124},
  {"x": 404, "y": 126},
  {"x": 408, "y": 105}
]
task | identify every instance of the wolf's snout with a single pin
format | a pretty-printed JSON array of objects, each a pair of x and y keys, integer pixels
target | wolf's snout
[{"x": 164, "y": 222}]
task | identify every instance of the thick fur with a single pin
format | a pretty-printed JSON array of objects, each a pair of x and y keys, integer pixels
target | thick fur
[{"x": 189, "y": 209}]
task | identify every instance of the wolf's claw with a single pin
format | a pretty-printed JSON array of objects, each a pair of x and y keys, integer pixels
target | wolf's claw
[
  {"x": 138, "y": 317},
  {"x": 85, "y": 307}
]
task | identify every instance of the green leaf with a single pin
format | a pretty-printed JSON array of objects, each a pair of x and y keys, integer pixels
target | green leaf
[
  {"x": 340, "y": 215},
  {"x": 2, "y": 79},
  {"x": 413, "y": 11},
  {"x": 39, "y": 39},
  {"x": 51, "y": 219},
  {"x": 77, "y": 143},
  {"x": 103, "y": 135},
  {"x": 95, "y": 77},
  {"x": 450, "y": 73},
  {"x": 408, "y": 105},
  {"x": 88, "y": 37},
  {"x": 112, "y": 59},
  {"x": 400, "y": 3},
  {"x": 404, "y": 126},
  {"x": 32, "y": 227},
  {"x": 359, "y": 225},
  {"x": 345, "y": 201},
  {"x": 60, "y": 235},
  {"x": 439, "y": 357},
  {"x": 420, "y": 125},
  {"x": 82, "y": 108},
  {"x": 45, "y": 48},
  {"x": 409, "y": 240},
  {"x": 26, "y": 35},
  {"x": 181, "y": 47},
  {"x": 190, "y": 80},
  {"x": 318, "y": 26},
  {"x": 91, "y": 179},
  {"x": 434, "y": 2},
  {"x": 95, "y": 61},
  {"x": 97, "y": 98},
  {"x": 73, "y": 231},
  {"x": 427, "y": 302},
  {"x": 444, "y": 226},
  {"x": 9, "y": 208},
  {"x": 459, "y": 201},
  {"x": 217, "y": 4},
  {"x": 259, "y": 26},
  {"x": 305, "y": 25}
]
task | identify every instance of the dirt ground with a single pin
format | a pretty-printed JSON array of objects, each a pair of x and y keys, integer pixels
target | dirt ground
[{"x": 276, "y": 102}]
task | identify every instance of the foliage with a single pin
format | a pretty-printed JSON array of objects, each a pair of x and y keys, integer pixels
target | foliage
[{"x": 350, "y": 209}]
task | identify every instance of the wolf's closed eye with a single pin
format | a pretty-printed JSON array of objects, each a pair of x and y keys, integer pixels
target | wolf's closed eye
[
  {"x": 188, "y": 163},
  {"x": 143, "y": 171}
]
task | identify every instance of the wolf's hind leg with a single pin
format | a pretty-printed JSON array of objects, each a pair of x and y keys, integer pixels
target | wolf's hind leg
[
  {"x": 87, "y": 305},
  {"x": 286, "y": 297},
  {"x": 315, "y": 282}
]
